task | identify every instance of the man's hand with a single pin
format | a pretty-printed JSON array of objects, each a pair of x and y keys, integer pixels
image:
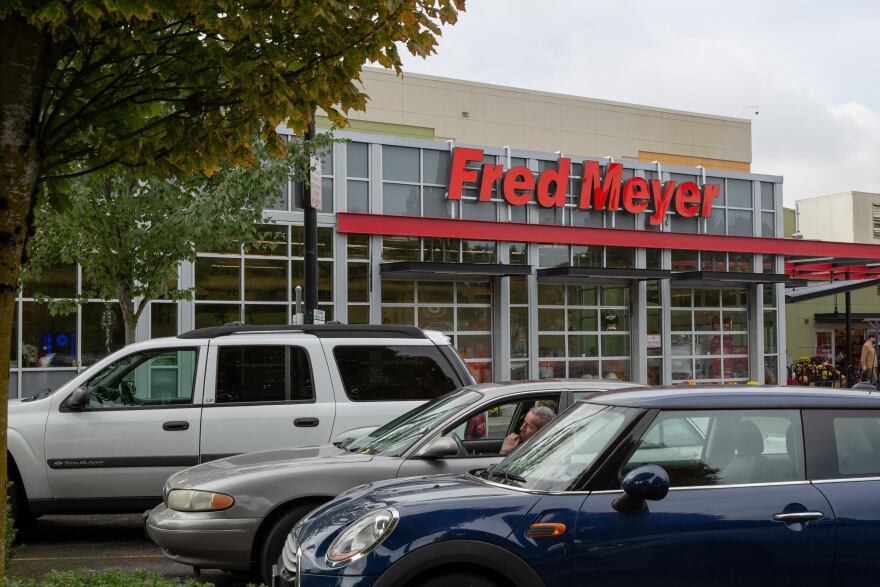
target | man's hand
[{"x": 511, "y": 441}]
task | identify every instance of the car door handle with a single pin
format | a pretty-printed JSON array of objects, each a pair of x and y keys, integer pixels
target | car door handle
[
  {"x": 175, "y": 425},
  {"x": 799, "y": 516},
  {"x": 306, "y": 422}
]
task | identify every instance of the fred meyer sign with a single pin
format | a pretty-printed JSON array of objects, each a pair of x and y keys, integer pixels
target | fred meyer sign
[{"x": 596, "y": 192}]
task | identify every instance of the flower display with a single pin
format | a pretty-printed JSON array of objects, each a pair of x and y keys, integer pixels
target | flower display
[{"x": 814, "y": 371}]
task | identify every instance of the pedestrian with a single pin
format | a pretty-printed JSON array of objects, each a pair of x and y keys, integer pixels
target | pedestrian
[{"x": 868, "y": 362}]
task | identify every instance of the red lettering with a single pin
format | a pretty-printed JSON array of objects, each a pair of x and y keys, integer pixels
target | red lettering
[
  {"x": 710, "y": 192},
  {"x": 518, "y": 178},
  {"x": 460, "y": 172},
  {"x": 662, "y": 197},
  {"x": 636, "y": 188},
  {"x": 688, "y": 193},
  {"x": 559, "y": 177},
  {"x": 605, "y": 196},
  {"x": 491, "y": 174}
]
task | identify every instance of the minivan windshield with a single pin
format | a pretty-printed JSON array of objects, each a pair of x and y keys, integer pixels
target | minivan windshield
[
  {"x": 552, "y": 460},
  {"x": 394, "y": 438}
]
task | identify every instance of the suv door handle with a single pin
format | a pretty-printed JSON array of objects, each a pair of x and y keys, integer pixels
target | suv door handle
[
  {"x": 306, "y": 422},
  {"x": 799, "y": 517},
  {"x": 175, "y": 425}
]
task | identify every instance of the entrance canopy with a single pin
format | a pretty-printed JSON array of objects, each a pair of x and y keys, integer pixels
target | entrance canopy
[{"x": 819, "y": 289}]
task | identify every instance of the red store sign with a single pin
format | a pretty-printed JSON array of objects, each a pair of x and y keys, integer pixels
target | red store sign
[{"x": 597, "y": 193}]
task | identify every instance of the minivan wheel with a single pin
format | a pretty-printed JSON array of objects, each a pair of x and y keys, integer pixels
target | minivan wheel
[
  {"x": 274, "y": 540},
  {"x": 459, "y": 579}
]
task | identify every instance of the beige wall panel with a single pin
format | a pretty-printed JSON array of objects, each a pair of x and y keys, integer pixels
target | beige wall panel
[
  {"x": 541, "y": 139},
  {"x": 737, "y": 137},
  {"x": 578, "y": 119},
  {"x": 506, "y": 109},
  {"x": 578, "y": 143},
  {"x": 612, "y": 123},
  {"x": 542, "y": 114},
  {"x": 424, "y": 120},
  {"x": 649, "y": 146},
  {"x": 387, "y": 93},
  {"x": 827, "y": 218},
  {"x": 678, "y": 149},
  {"x": 463, "y": 130},
  {"x": 677, "y": 131},
  {"x": 615, "y": 146},
  {"x": 499, "y": 134},
  {"x": 646, "y": 127},
  {"x": 736, "y": 155},
  {"x": 455, "y": 102},
  {"x": 709, "y": 135},
  {"x": 422, "y": 99}
]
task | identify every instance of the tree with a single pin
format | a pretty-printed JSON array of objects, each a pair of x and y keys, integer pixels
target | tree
[
  {"x": 129, "y": 233},
  {"x": 172, "y": 85}
]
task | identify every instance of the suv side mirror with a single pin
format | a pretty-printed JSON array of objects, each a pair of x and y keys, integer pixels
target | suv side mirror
[
  {"x": 439, "y": 448},
  {"x": 648, "y": 482},
  {"x": 79, "y": 399}
]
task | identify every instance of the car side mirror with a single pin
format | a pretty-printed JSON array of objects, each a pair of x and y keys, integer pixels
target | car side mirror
[
  {"x": 439, "y": 448},
  {"x": 79, "y": 399},
  {"x": 648, "y": 482}
]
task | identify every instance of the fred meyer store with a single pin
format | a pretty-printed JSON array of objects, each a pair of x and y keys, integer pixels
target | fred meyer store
[{"x": 660, "y": 263}]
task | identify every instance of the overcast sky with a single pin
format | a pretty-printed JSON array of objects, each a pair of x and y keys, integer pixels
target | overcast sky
[{"x": 811, "y": 67}]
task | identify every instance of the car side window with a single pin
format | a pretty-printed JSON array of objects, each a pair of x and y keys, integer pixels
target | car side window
[
  {"x": 155, "y": 377},
  {"x": 723, "y": 447},
  {"x": 394, "y": 373},
  {"x": 483, "y": 433},
  {"x": 270, "y": 373},
  {"x": 857, "y": 440}
]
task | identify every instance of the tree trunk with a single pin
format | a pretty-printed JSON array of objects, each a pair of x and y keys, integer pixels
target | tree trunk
[
  {"x": 129, "y": 316},
  {"x": 23, "y": 70}
]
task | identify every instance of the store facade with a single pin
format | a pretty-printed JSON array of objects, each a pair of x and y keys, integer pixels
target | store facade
[{"x": 537, "y": 264}]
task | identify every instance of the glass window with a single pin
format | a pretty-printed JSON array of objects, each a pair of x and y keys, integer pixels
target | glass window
[
  {"x": 483, "y": 433},
  {"x": 436, "y": 166},
  {"x": 767, "y": 200},
  {"x": 857, "y": 440},
  {"x": 739, "y": 193},
  {"x": 358, "y": 196},
  {"x": 400, "y": 199},
  {"x": 552, "y": 255},
  {"x": 163, "y": 319},
  {"x": 400, "y": 248},
  {"x": 54, "y": 282},
  {"x": 400, "y": 164},
  {"x": 218, "y": 278},
  {"x": 684, "y": 260},
  {"x": 271, "y": 240},
  {"x": 263, "y": 374},
  {"x": 357, "y": 156},
  {"x": 441, "y": 250},
  {"x": 265, "y": 314},
  {"x": 102, "y": 331},
  {"x": 394, "y": 373},
  {"x": 358, "y": 282},
  {"x": 724, "y": 447},
  {"x": 739, "y": 222},
  {"x": 518, "y": 253},
  {"x": 215, "y": 315},
  {"x": 478, "y": 251},
  {"x": 768, "y": 224},
  {"x": 50, "y": 341},
  {"x": 265, "y": 280},
  {"x": 620, "y": 257},
  {"x": 434, "y": 202},
  {"x": 586, "y": 256},
  {"x": 146, "y": 378},
  {"x": 472, "y": 209}
]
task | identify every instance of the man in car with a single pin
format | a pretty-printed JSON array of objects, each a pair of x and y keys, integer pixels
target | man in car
[{"x": 535, "y": 419}]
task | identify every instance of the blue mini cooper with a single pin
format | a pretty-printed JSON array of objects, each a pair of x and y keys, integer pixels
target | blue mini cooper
[{"x": 678, "y": 486}]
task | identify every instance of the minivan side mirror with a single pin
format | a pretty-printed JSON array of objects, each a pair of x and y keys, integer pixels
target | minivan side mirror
[
  {"x": 439, "y": 448},
  {"x": 648, "y": 482},
  {"x": 79, "y": 399}
]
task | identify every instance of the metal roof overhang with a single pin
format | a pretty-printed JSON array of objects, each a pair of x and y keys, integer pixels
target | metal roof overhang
[
  {"x": 599, "y": 275},
  {"x": 841, "y": 317},
  {"x": 432, "y": 271},
  {"x": 820, "y": 290},
  {"x": 724, "y": 278}
]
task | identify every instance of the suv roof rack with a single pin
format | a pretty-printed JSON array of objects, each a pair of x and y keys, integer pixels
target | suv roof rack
[{"x": 319, "y": 330}]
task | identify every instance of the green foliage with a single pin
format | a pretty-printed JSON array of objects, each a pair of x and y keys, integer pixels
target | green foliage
[
  {"x": 129, "y": 232},
  {"x": 110, "y": 578},
  {"x": 184, "y": 84},
  {"x": 10, "y": 546}
]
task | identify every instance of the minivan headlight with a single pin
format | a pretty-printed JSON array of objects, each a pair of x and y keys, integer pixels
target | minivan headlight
[
  {"x": 189, "y": 500},
  {"x": 362, "y": 536}
]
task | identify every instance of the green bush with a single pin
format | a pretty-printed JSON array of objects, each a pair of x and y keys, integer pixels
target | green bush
[
  {"x": 10, "y": 530},
  {"x": 110, "y": 578}
]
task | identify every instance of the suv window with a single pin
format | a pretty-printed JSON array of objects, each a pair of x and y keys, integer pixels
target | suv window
[
  {"x": 394, "y": 373},
  {"x": 145, "y": 378},
  {"x": 857, "y": 440},
  {"x": 724, "y": 447},
  {"x": 263, "y": 374}
]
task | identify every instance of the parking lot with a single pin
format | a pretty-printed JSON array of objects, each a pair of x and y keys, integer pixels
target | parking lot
[{"x": 99, "y": 542}]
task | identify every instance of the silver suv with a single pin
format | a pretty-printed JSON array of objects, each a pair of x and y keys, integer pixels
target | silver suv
[{"x": 107, "y": 440}]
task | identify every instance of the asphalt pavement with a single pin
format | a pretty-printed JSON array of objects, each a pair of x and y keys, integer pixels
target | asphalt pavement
[{"x": 100, "y": 542}]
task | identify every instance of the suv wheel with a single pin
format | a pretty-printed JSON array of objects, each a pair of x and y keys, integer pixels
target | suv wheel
[
  {"x": 459, "y": 579},
  {"x": 274, "y": 540}
]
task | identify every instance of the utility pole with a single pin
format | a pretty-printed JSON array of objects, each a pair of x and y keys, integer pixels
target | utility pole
[{"x": 311, "y": 205}]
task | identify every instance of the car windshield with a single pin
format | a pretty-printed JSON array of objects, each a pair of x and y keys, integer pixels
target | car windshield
[
  {"x": 564, "y": 449},
  {"x": 394, "y": 438}
]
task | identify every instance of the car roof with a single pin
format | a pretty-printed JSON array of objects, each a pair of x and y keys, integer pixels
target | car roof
[
  {"x": 693, "y": 397},
  {"x": 319, "y": 330},
  {"x": 587, "y": 385}
]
